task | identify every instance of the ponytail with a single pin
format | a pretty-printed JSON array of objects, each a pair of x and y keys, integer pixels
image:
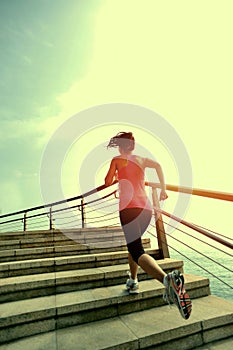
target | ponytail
[{"x": 124, "y": 140}]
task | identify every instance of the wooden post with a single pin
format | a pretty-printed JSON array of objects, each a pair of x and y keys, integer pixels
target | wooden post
[
  {"x": 83, "y": 212},
  {"x": 161, "y": 235},
  {"x": 50, "y": 219},
  {"x": 25, "y": 221}
]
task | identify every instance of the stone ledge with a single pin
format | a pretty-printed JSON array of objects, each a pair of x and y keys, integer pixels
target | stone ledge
[
  {"x": 81, "y": 306},
  {"x": 55, "y": 264},
  {"x": 26, "y": 286},
  {"x": 161, "y": 328}
]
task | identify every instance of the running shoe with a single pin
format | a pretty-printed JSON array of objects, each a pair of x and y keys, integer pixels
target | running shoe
[
  {"x": 176, "y": 293},
  {"x": 132, "y": 285}
]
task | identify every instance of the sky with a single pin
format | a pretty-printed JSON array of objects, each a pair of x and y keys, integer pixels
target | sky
[{"x": 62, "y": 57}]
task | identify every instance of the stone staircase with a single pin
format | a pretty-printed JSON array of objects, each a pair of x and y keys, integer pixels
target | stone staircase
[{"x": 65, "y": 290}]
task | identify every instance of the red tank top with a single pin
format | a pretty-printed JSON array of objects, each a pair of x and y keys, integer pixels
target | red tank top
[{"x": 132, "y": 186}]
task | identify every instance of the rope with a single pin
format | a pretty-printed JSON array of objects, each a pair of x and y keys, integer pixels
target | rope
[
  {"x": 195, "y": 263},
  {"x": 98, "y": 221},
  {"x": 103, "y": 207},
  {"x": 198, "y": 239},
  {"x": 101, "y": 216},
  {"x": 216, "y": 233},
  {"x": 205, "y": 233},
  {"x": 197, "y": 251}
]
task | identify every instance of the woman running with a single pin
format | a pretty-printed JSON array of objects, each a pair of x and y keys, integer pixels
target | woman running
[{"x": 135, "y": 213}]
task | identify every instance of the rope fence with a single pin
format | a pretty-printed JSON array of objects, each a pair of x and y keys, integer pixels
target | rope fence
[{"x": 103, "y": 211}]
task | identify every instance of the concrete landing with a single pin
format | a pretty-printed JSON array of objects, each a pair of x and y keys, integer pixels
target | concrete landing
[
  {"x": 161, "y": 329},
  {"x": 226, "y": 344}
]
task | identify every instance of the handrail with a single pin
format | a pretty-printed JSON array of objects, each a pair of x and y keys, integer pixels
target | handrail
[
  {"x": 97, "y": 189},
  {"x": 187, "y": 190},
  {"x": 196, "y": 228},
  {"x": 195, "y": 191},
  {"x": 161, "y": 234}
]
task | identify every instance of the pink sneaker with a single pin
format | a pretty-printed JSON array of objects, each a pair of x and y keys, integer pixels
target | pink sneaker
[{"x": 176, "y": 293}]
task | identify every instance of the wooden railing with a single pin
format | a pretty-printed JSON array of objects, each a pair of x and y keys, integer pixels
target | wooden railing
[{"x": 23, "y": 215}]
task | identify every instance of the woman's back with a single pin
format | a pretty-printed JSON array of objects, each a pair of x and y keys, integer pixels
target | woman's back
[{"x": 131, "y": 179}]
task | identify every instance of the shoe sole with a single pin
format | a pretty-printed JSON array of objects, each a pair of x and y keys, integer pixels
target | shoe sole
[{"x": 132, "y": 291}]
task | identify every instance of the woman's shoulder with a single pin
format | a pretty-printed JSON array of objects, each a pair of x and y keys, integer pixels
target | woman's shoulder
[
  {"x": 116, "y": 159},
  {"x": 137, "y": 159},
  {"x": 134, "y": 157}
]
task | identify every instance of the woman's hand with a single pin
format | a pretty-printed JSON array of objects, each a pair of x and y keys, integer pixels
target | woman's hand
[{"x": 163, "y": 195}]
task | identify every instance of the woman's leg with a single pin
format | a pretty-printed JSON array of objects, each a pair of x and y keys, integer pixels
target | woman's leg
[
  {"x": 134, "y": 222},
  {"x": 133, "y": 266},
  {"x": 150, "y": 266}
]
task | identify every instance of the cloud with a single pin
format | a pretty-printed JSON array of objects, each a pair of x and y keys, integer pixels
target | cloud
[
  {"x": 11, "y": 196},
  {"x": 41, "y": 55},
  {"x": 152, "y": 59}
]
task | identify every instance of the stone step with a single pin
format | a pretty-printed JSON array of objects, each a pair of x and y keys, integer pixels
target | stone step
[
  {"x": 160, "y": 329},
  {"x": 64, "y": 249},
  {"x": 31, "y": 286},
  {"x": 33, "y": 316},
  {"x": 51, "y": 238},
  {"x": 71, "y": 232},
  {"x": 75, "y": 338},
  {"x": 37, "y": 266},
  {"x": 223, "y": 344}
]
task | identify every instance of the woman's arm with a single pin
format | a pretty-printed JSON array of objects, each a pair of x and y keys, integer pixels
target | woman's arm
[
  {"x": 149, "y": 163},
  {"x": 109, "y": 178}
]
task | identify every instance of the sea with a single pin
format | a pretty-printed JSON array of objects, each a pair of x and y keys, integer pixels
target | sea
[
  {"x": 221, "y": 279},
  {"x": 207, "y": 259},
  {"x": 203, "y": 256}
]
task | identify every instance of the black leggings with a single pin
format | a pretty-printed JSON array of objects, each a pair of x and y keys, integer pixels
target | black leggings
[{"x": 134, "y": 222}]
